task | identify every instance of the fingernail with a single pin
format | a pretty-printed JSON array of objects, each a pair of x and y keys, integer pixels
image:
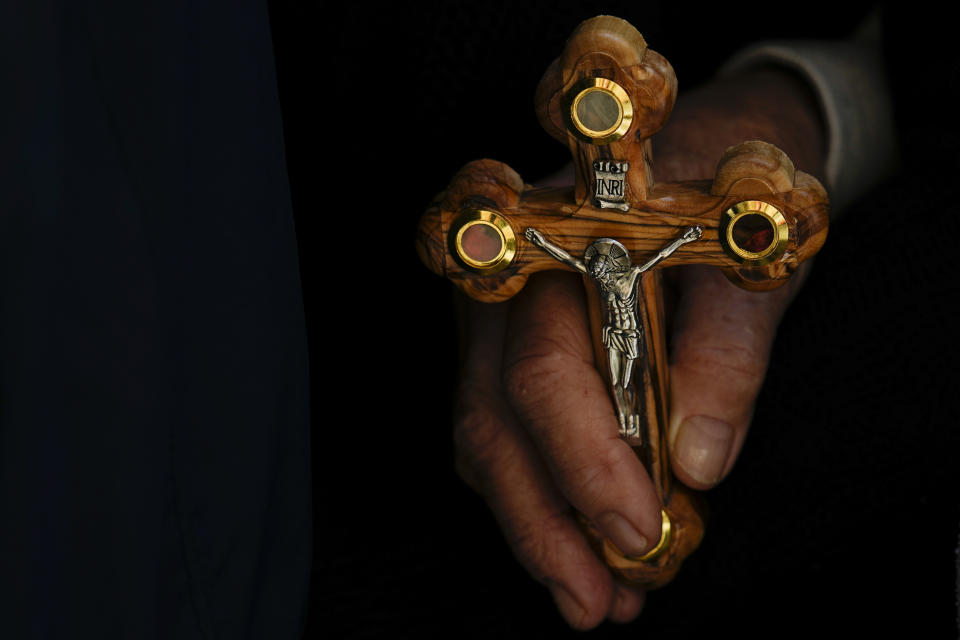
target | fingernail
[
  {"x": 702, "y": 447},
  {"x": 569, "y": 608},
  {"x": 621, "y": 533}
]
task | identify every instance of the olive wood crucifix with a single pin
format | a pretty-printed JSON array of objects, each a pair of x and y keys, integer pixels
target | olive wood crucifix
[{"x": 757, "y": 220}]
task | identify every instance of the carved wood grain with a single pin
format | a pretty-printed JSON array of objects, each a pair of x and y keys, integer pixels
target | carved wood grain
[
  {"x": 611, "y": 48},
  {"x": 671, "y": 209}
]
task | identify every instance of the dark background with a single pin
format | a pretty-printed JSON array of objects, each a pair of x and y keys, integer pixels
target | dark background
[{"x": 841, "y": 514}]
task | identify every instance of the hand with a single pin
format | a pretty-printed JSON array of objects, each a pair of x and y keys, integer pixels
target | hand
[
  {"x": 534, "y": 236},
  {"x": 693, "y": 234},
  {"x": 535, "y": 428}
]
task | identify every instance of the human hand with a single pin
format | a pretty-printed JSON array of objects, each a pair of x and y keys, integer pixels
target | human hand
[{"x": 535, "y": 428}]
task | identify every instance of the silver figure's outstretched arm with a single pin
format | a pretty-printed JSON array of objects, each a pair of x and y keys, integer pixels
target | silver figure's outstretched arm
[
  {"x": 692, "y": 234},
  {"x": 555, "y": 252}
]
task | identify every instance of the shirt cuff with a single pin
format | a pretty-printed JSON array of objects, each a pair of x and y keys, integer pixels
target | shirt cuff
[{"x": 849, "y": 82}]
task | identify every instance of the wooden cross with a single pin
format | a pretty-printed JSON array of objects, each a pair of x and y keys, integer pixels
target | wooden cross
[{"x": 604, "y": 97}]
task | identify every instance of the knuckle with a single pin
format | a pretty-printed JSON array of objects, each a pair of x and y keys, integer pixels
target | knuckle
[
  {"x": 535, "y": 542},
  {"x": 743, "y": 364},
  {"x": 590, "y": 481},
  {"x": 476, "y": 434},
  {"x": 467, "y": 472},
  {"x": 532, "y": 378}
]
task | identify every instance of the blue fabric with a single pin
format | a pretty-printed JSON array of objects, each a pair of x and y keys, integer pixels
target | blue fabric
[{"x": 154, "y": 423}]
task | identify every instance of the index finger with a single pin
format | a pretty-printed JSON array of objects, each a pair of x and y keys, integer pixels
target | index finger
[{"x": 562, "y": 401}]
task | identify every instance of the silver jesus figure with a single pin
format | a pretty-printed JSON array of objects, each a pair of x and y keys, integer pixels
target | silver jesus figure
[{"x": 608, "y": 262}]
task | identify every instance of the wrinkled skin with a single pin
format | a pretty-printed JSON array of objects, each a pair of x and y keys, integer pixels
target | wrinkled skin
[{"x": 535, "y": 429}]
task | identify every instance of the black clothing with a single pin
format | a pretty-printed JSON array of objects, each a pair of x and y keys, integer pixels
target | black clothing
[{"x": 154, "y": 443}]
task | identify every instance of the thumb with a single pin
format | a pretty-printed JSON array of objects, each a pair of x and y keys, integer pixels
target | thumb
[{"x": 721, "y": 347}]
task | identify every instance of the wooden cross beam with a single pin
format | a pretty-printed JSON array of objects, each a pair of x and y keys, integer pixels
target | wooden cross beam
[{"x": 757, "y": 220}]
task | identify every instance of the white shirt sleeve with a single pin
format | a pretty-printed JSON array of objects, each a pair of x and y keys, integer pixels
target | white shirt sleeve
[{"x": 849, "y": 80}]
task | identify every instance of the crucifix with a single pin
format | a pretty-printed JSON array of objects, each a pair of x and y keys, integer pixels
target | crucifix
[
  {"x": 758, "y": 219},
  {"x": 608, "y": 262}
]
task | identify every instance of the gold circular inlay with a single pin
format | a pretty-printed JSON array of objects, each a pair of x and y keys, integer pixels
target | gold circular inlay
[
  {"x": 482, "y": 241},
  {"x": 754, "y": 233},
  {"x": 666, "y": 535},
  {"x": 598, "y": 111}
]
